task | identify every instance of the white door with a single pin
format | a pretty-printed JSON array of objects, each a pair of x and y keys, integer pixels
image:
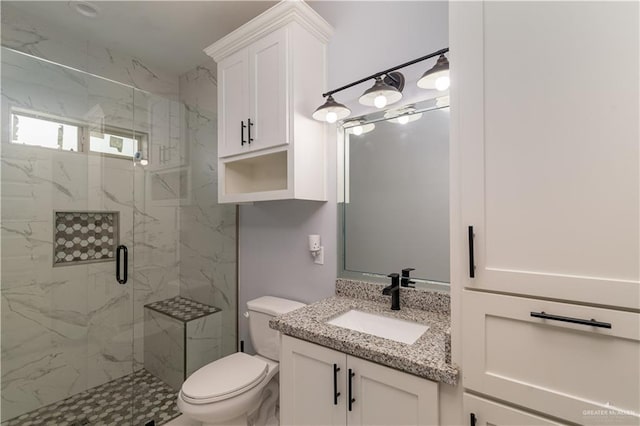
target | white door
[
  {"x": 482, "y": 412},
  {"x": 568, "y": 361},
  {"x": 269, "y": 91},
  {"x": 546, "y": 105},
  {"x": 233, "y": 104},
  {"x": 384, "y": 396},
  {"x": 312, "y": 384}
]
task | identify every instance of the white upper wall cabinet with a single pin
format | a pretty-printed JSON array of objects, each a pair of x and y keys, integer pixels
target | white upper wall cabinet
[
  {"x": 271, "y": 74},
  {"x": 253, "y": 96},
  {"x": 547, "y": 102}
]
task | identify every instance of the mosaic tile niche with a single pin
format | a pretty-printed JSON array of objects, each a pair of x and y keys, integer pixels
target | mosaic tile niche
[{"x": 84, "y": 237}]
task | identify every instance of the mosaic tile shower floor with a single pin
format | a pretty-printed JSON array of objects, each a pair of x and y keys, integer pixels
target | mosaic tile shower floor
[{"x": 109, "y": 405}]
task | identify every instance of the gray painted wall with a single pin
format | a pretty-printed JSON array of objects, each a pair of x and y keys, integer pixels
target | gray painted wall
[{"x": 369, "y": 37}]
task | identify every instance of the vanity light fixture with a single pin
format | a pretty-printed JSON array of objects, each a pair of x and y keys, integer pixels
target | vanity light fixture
[
  {"x": 359, "y": 127},
  {"x": 386, "y": 90},
  {"x": 331, "y": 111},
  {"x": 437, "y": 77}
]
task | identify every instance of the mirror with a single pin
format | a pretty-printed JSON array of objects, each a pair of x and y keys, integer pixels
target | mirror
[{"x": 394, "y": 195}]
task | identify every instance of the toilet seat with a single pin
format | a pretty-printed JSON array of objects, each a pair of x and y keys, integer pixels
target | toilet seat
[{"x": 225, "y": 378}]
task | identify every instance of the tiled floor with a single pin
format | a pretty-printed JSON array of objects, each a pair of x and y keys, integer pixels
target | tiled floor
[{"x": 109, "y": 405}]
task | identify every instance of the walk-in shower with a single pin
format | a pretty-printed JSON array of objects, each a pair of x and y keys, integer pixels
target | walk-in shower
[{"x": 97, "y": 174}]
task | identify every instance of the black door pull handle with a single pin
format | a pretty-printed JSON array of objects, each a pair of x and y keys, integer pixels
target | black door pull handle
[
  {"x": 590, "y": 322},
  {"x": 472, "y": 263},
  {"x": 249, "y": 130},
  {"x": 122, "y": 279},
  {"x": 242, "y": 127},
  {"x": 336, "y": 394},
  {"x": 351, "y": 398}
]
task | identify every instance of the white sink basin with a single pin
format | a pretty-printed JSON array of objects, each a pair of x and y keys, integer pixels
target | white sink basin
[{"x": 385, "y": 327}]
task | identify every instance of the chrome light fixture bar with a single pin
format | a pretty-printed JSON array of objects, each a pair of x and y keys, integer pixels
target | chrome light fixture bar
[{"x": 387, "y": 90}]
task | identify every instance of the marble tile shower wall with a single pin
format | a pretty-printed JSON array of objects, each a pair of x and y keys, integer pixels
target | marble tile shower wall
[
  {"x": 31, "y": 35},
  {"x": 207, "y": 229},
  {"x": 68, "y": 329}
]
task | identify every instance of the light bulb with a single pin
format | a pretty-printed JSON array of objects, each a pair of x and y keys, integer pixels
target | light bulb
[
  {"x": 357, "y": 130},
  {"x": 144, "y": 162},
  {"x": 331, "y": 117},
  {"x": 442, "y": 83},
  {"x": 380, "y": 101},
  {"x": 403, "y": 119}
]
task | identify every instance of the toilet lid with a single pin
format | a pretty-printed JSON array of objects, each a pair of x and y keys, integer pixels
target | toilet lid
[{"x": 224, "y": 378}]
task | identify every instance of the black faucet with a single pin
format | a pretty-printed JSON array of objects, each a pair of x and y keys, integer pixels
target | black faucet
[
  {"x": 406, "y": 279},
  {"x": 394, "y": 291}
]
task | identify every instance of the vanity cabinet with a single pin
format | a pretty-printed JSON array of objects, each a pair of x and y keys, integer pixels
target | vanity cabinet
[
  {"x": 271, "y": 74},
  {"x": 315, "y": 387}
]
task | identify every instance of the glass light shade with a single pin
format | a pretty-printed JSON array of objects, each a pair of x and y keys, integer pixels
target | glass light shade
[
  {"x": 373, "y": 95},
  {"x": 436, "y": 74},
  {"x": 331, "y": 111}
]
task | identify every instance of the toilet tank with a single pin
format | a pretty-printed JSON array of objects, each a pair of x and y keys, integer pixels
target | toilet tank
[{"x": 265, "y": 340}]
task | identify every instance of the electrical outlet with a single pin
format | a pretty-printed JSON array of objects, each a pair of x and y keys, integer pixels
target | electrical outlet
[{"x": 319, "y": 257}]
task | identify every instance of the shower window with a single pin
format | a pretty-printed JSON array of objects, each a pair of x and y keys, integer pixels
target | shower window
[
  {"x": 36, "y": 129},
  {"x": 115, "y": 142}
]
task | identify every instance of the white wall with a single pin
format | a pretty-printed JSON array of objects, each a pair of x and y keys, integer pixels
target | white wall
[{"x": 369, "y": 37}]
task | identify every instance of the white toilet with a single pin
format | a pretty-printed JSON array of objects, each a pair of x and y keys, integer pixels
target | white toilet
[{"x": 228, "y": 390}]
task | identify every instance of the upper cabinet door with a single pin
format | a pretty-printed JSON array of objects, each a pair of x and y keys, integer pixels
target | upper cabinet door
[
  {"x": 233, "y": 104},
  {"x": 545, "y": 104},
  {"x": 269, "y": 90}
]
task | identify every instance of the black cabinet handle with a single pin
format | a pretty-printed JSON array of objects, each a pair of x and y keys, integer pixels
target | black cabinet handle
[
  {"x": 242, "y": 127},
  {"x": 336, "y": 394},
  {"x": 590, "y": 322},
  {"x": 351, "y": 398},
  {"x": 472, "y": 263},
  {"x": 123, "y": 279},
  {"x": 472, "y": 419},
  {"x": 249, "y": 129}
]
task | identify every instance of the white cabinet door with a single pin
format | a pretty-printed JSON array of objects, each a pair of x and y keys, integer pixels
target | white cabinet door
[
  {"x": 269, "y": 93},
  {"x": 384, "y": 396},
  {"x": 536, "y": 354},
  {"x": 545, "y": 106},
  {"x": 482, "y": 412},
  {"x": 307, "y": 384},
  {"x": 233, "y": 104}
]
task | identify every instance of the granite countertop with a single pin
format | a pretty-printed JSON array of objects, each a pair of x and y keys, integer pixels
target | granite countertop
[{"x": 428, "y": 357}]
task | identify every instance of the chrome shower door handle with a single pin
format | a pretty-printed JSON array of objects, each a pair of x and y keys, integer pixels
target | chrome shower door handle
[{"x": 122, "y": 250}]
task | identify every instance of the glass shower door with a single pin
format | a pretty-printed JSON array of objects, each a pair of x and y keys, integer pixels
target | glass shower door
[{"x": 67, "y": 191}]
